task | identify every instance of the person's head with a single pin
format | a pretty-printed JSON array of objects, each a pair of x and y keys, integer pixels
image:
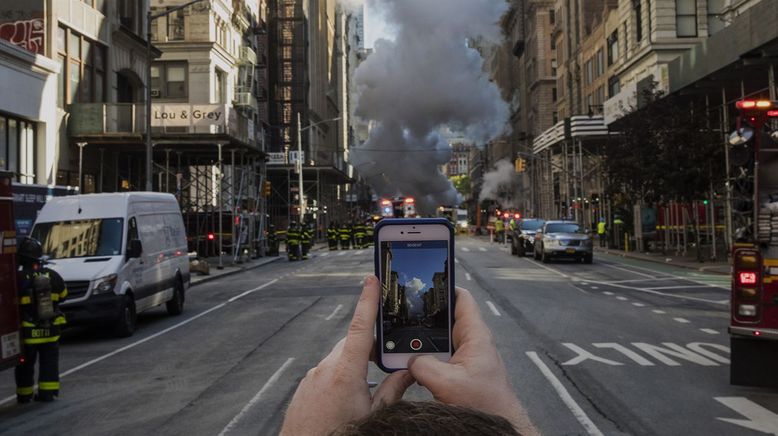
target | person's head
[
  {"x": 29, "y": 252},
  {"x": 427, "y": 418}
]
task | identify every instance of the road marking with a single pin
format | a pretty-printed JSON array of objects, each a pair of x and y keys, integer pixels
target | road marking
[
  {"x": 637, "y": 358},
  {"x": 595, "y": 287},
  {"x": 273, "y": 379},
  {"x": 660, "y": 312},
  {"x": 583, "y": 355},
  {"x": 468, "y": 277},
  {"x": 481, "y": 248},
  {"x": 674, "y": 350},
  {"x": 668, "y": 276},
  {"x": 564, "y": 395},
  {"x": 361, "y": 252},
  {"x": 709, "y": 331},
  {"x": 700, "y": 353},
  {"x": 585, "y": 283},
  {"x": 638, "y": 304},
  {"x": 628, "y": 270},
  {"x": 334, "y": 312},
  {"x": 758, "y": 418},
  {"x": 682, "y": 320},
  {"x": 560, "y": 273},
  {"x": 456, "y": 260},
  {"x": 648, "y": 291},
  {"x": 676, "y": 287},
  {"x": 342, "y": 253},
  {"x": 146, "y": 339},
  {"x": 622, "y": 298},
  {"x": 251, "y": 291},
  {"x": 608, "y": 293},
  {"x": 493, "y": 308},
  {"x": 325, "y": 254},
  {"x": 465, "y": 249}
]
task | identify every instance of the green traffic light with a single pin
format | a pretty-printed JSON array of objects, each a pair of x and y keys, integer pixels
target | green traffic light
[{"x": 705, "y": 202}]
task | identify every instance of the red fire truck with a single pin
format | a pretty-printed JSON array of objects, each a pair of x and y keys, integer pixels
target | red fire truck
[
  {"x": 754, "y": 298},
  {"x": 10, "y": 336}
]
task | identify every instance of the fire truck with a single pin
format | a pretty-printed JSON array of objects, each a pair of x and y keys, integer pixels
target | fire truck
[
  {"x": 754, "y": 198},
  {"x": 398, "y": 207},
  {"x": 10, "y": 334}
]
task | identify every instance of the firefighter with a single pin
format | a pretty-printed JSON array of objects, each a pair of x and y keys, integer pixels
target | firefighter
[
  {"x": 345, "y": 236},
  {"x": 332, "y": 236},
  {"x": 306, "y": 239},
  {"x": 359, "y": 235},
  {"x": 272, "y": 240},
  {"x": 293, "y": 242},
  {"x": 369, "y": 232},
  {"x": 41, "y": 290},
  {"x": 499, "y": 229}
]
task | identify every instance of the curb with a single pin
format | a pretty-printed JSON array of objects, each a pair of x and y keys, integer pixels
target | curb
[
  {"x": 209, "y": 278},
  {"x": 659, "y": 261}
]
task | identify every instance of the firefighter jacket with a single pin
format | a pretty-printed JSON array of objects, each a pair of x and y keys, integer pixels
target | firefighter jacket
[
  {"x": 345, "y": 233},
  {"x": 293, "y": 236},
  {"x": 332, "y": 233},
  {"x": 35, "y": 330},
  {"x": 306, "y": 236},
  {"x": 360, "y": 231}
]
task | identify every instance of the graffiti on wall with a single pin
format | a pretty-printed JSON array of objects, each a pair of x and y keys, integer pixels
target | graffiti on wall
[
  {"x": 22, "y": 24},
  {"x": 27, "y": 34}
]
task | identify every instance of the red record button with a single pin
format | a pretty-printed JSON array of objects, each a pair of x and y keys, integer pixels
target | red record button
[{"x": 415, "y": 344}]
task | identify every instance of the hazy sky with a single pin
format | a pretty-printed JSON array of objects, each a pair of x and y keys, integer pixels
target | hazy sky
[{"x": 375, "y": 26}]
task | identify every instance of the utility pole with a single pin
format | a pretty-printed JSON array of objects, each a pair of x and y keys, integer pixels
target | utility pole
[{"x": 300, "y": 166}]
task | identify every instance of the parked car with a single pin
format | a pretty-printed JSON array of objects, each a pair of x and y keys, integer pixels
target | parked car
[
  {"x": 120, "y": 254},
  {"x": 523, "y": 240},
  {"x": 563, "y": 239}
]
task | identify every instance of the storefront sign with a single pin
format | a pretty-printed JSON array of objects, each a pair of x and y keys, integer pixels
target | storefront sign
[{"x": 184, "y": 115}]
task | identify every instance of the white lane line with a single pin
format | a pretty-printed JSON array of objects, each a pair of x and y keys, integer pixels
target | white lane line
[
  {"x": 638, "y": 304},
  {"x": 468, "y": 277},
  {"x": 628, "y": 270},
  {"x": 565, "y": 396},
  {"x": 660, "y": 312},
  {"x": 608, "y": 293},
  {"x": 334, "y": 312},
  {"x": 361, "y": 252},
  {"x": 273, "y": 379},
  {"x": 676, "y": 287},
  {"x": 482, "y": 248},
  {"x": 595, "y": 287},
  {"x": 342, "y": 253},
  {"x": 141, "y": 341},
  {"x": 648, "y": 291},
  {"x": 465, "y": 249},
  {"x": 456, "y": 260},
  {"x": 724, "y": 286},
  {"x": 710, "y": 331},
  {"x": 622, "y": 298},
  {"x": 548, "y": 268},
  {"x": 325, "y": 254},
  {"x": 251, "y": 291},
  {"x": 493, "y": 308},
  {"x": 682, "y": 320},
  {"x": 585, "y": 283}
]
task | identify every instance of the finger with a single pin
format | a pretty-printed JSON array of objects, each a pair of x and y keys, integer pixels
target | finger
[
  {"x": 336, "y": 351},
  {"x": 430, "y": 372},
  {"x": 360, "y": 338},
  {"x": 392, "y": 389},
  {"x": 468, "y": 324}
]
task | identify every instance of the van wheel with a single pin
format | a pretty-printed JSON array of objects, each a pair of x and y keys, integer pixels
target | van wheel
[
  {"x": 128, "y": 318},
  {"x": 176, "y": 305}
]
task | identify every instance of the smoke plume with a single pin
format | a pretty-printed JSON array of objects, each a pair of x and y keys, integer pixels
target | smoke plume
[
  {"x": 426, "y": 79},
  {"x": 502, "y": 176}
]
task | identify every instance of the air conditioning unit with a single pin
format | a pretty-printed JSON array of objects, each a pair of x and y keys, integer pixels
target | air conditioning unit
[
  {"x": 155, "y": 93},
  {"x": 243, "y": 99},
  {"x": 247, "y": 55}
]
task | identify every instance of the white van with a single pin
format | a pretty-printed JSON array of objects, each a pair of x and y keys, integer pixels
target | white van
[{"x": 119, "y": 254}]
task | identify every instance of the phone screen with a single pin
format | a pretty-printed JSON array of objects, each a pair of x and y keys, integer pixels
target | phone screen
[{"x": 415, "y": 296}]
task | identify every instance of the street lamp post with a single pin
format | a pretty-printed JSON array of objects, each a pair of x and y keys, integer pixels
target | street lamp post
[
  {"x": 149, "y": 147},
  {"x": 299, "y": 163}
]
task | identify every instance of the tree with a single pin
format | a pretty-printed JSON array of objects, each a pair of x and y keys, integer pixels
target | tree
[{"x": 462, "y": 184}]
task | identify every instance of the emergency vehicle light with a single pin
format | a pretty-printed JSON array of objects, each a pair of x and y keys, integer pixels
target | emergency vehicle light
[
  {"x": 506, "y": 215},
  {"x": 409, "y": 200},
  {"x": 752, "y": 104},
  {"x": 385, "y": 202},
  {"x": 747, "y": 278},
  {"x": 517, "y": 216},
  {"x": 772, "y": 113},
  {"x": 210, "y": 236}
]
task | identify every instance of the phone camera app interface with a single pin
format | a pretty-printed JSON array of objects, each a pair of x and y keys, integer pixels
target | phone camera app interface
[{"x": 414, "y": 285}]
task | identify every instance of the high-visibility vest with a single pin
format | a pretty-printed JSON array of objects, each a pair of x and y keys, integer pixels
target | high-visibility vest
[
  {"x": 293, "y": 237},
  {"x": 601, "y": 228},
  {"x": 499, "y": 226}
]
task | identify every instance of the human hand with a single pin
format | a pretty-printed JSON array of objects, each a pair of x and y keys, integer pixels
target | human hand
[
  {"x": 336, "y": 391},
  {"x": 475, "y": 376}
]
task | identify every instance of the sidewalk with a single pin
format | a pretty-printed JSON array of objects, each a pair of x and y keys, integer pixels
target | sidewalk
[
  {"x": 229, "y": 268},
  {"x": 688, "y": 262}
]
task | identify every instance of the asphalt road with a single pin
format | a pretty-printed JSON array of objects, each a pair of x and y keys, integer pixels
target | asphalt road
[{"x": 617, "y": 347}]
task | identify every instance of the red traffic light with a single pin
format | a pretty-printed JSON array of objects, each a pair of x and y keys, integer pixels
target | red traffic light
[{"x": 210, "y": 236}]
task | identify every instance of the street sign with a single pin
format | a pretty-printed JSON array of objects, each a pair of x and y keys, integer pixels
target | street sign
[{"x": 278, "y": 158}]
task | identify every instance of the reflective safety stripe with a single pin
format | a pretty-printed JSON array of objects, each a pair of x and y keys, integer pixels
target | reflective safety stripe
[
  {"x": 24, "y": 390},
  {"x": 48, "y": 386},
  {"x": 63, "y": 294},
  {"x": 60, "y": 320},
  {"x": 25, "y": 300},
  {"x": 27, "y": 324},
  {"x": 54, "y": 296},
  {"x": 33, "y": 341}
]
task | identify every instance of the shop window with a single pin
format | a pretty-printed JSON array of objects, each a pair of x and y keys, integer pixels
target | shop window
[{"x": 18, "y": 141}]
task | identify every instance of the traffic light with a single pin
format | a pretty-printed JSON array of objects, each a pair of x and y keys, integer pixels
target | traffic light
[
  {"x": 267, "y": 189},
  {"x": 521, "y": 165}
]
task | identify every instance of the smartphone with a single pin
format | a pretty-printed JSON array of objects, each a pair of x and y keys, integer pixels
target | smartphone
[{"x": 414, "y": 264}]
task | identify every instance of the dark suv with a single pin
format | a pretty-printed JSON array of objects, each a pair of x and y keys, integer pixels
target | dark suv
[{"x": 523, "y": 240}]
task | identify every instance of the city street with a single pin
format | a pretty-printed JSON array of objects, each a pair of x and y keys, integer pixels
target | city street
[{"x": 617, "y": 347}]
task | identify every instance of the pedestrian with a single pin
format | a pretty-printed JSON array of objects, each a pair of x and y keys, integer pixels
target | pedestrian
[
  {"x": 345, "y": 236},
  {"x": 472, "y": 387},
  {"x": 293, "y": 242},
  {"x": 359, "y": 235},
  {"x": 41, "y": 290},
  {"x": 617, "y": 226},
  {"x": 602, "y": 232},
  {"x": 499, "y": 229},
  {"x": 332, "y": 236}
]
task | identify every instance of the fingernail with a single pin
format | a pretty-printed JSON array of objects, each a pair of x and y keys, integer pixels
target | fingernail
[{"x": 370, "y": 279}]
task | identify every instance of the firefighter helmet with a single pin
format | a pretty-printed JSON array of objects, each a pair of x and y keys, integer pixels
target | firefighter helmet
[{"x": 30, "y": 249}]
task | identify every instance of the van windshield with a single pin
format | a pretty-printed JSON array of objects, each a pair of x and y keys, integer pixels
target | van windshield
[{"x": 82, "y": 238}]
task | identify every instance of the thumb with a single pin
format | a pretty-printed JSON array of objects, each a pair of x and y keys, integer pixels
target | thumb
[
  {"x": 429, "y": 371},
  {"x": 392, "y": 389}
]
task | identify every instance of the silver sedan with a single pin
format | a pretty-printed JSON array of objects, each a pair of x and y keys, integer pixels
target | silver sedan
[{"x": 563, "y": 239}]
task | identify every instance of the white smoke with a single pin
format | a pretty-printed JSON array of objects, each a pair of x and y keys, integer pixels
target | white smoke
[
  {"x": 502, "y": 177},
  {"x": 426, "y": 79}
]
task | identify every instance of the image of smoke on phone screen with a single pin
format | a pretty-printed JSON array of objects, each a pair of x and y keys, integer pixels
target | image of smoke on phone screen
[{"x": 414, "y": 286}]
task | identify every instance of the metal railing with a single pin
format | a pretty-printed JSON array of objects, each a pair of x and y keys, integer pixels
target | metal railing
[{"x": 89, "y": 119}]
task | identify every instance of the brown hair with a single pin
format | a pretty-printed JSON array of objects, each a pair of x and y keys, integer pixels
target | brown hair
[{"x": 429, "y": 418}]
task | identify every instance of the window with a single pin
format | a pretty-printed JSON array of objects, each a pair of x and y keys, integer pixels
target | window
[
  {"x": 686, "y": 18},
  {"x": 715, "y": 22},
  {"x": 169, "y": 80},
  {"x": 638, "y": 20},
  {"x": 220, "y": 90},
  {"x": 589, "y": 72},
  {"x": 551, "y": 16},
  {"x": 553, "y": 95},
  {"x": 613, "y": 47},
  {"x": 129, "y": 14},
  {"x": 554, "y": 117},
  {"x": 613, "y": 86},
  {"x": 600, "y": 63},
  {"x": 18, "y": 141},
  {"x": 82, "y": 78},
  {"x": 553, "y": 67},
  {"x": 175, "y": 26},
  {"x": 553, "y": 42}
]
